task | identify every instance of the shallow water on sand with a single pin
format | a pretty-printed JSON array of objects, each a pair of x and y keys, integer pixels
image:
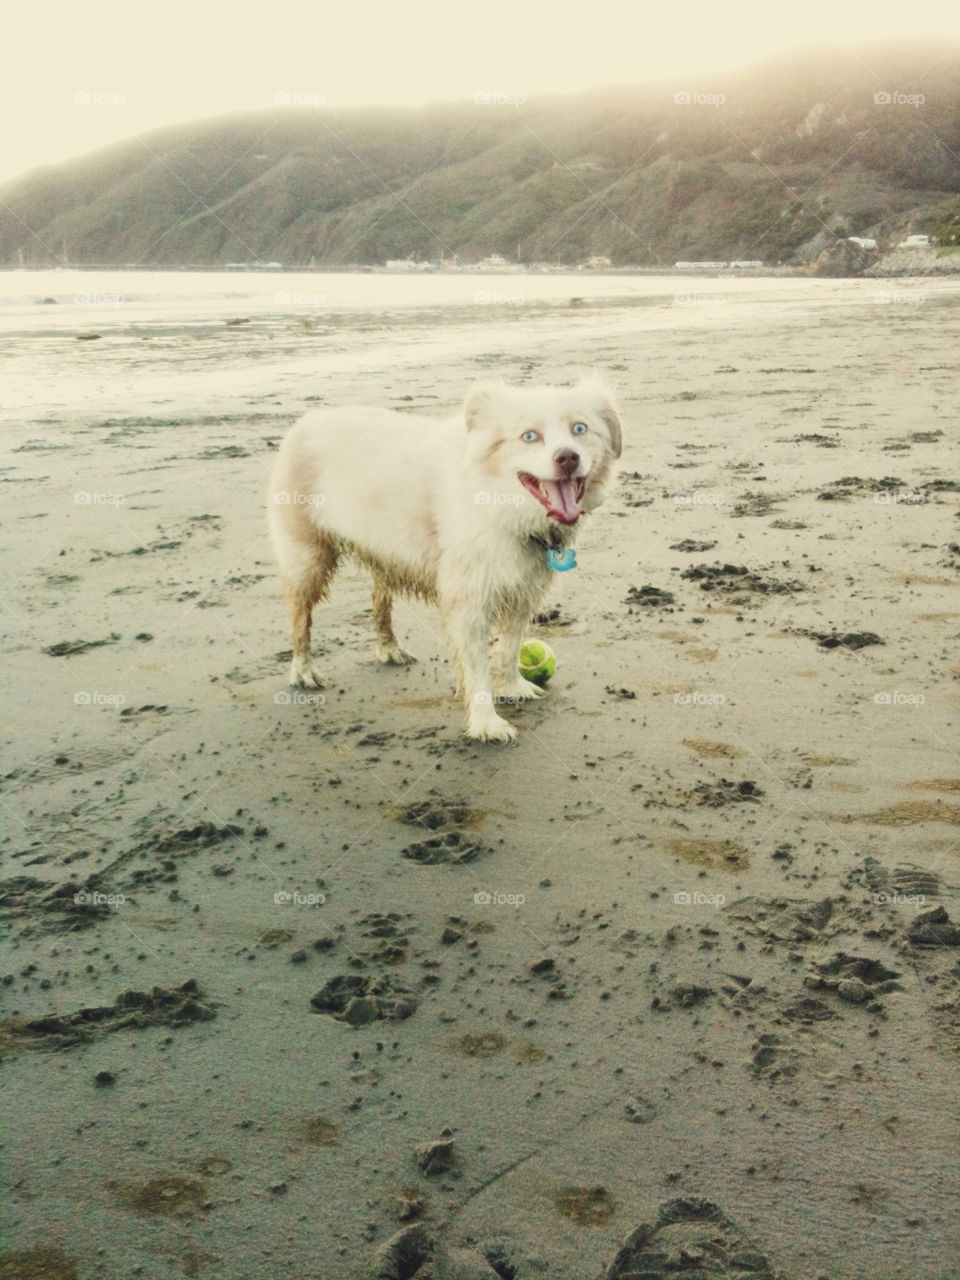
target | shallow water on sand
[{"x": 174, "y": 342}]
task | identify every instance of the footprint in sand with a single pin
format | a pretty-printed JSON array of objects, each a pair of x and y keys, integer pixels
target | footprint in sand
[{"x": 689, "y": 1238}]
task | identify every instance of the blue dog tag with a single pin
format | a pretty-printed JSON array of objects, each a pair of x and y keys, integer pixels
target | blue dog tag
[{"x": 562, "y": 560}]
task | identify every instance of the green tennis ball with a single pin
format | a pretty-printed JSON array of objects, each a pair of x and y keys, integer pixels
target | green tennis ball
[{"x": 538, "y": 662}]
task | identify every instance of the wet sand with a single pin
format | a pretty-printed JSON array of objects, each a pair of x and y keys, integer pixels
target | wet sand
[{"x": 668, "y": 986}]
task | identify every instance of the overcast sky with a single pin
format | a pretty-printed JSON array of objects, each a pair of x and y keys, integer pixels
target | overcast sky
[{"x": 136, "y": 68}]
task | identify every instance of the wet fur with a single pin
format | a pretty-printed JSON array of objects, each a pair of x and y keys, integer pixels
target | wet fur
[{"x": 399, "y": 495}]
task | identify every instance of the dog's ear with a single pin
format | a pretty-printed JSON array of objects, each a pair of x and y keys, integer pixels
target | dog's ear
[
  {"x": 609, "y": 414},
  {"x": 605, "y": 408},
  {"x": 479, "y": 402}
]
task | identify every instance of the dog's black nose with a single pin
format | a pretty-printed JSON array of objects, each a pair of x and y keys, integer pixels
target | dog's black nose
[{"x": 567, "y": 461}]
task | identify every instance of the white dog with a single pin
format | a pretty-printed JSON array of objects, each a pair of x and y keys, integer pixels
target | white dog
[{"x": 463, "y": 513}]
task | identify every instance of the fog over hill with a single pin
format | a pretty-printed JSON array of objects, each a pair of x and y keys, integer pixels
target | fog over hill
[{"x": 769, "y": 164}]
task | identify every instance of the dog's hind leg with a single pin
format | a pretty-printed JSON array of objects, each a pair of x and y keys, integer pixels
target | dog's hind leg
[
  {"x": 307, "y": 574},
  {"x": 388, "y": 650}
]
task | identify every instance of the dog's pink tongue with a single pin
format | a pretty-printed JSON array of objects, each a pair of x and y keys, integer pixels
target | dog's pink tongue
[{"x": 563, "y": 500}]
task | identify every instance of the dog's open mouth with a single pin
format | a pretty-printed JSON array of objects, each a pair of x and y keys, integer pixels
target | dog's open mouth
[{"x": 560, "y": 498}]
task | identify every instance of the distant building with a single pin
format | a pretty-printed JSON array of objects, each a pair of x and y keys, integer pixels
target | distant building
[
  {"x": 496, "y": 262},
  {"x": 915, "y": 242},
  {"x": 862, "y": 242},
  {"x": 747, "y": 264},
  {"x": 700, "y": 266},
  {"x": 407, "y": 264}
]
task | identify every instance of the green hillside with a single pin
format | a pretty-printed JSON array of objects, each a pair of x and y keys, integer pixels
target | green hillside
[{"x": 798, "y": 153}]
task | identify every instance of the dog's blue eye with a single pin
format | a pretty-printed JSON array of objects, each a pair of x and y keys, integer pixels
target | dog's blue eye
[
  {"x": 529, "y": 436},
  {"x": 578, "y": 428}
]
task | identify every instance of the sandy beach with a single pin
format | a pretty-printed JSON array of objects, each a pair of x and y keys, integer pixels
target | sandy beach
[{"x": 306, "y": 986}]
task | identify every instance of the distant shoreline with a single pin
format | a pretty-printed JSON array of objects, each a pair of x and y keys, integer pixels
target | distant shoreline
[
  {"x": 362, "y": 269},
  {"x": 733, "y": 273},
  {"x": 922, "y": 267}
]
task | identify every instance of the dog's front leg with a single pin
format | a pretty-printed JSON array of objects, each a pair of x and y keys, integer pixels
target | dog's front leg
[
  {"x": 469, "y": 630},
  {"x": 507, "y": 679}
]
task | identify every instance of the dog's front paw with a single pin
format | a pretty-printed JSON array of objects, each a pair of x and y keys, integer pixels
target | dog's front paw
[
  {"x": 305, "y": 675},
  {"x": 495, "y": 730},
  {"x": 392, "y": 653},
  {"x": 520, "y": 689},
  {"x": 484, "y": 725}
]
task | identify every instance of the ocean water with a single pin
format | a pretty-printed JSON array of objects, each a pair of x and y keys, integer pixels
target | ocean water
[
  {"x": 202, "y": 297},
  {"x": 167, "y": 342}
]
